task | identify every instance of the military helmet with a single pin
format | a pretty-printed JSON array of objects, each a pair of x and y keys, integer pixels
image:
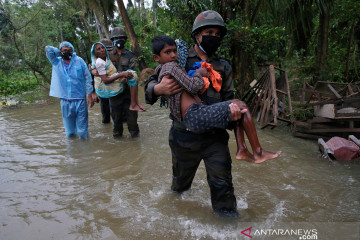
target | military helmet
[
  {"x": 208, "y": 18},
  {"x": 118, "y": 32},
  {"x": 107, "y": 43}
]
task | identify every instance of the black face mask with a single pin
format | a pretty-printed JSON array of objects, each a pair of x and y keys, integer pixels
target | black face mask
[
  {"x": 209, "y": 44},
  {"x": 119, "y": 43},
  {"x": 66, "y": 55}
]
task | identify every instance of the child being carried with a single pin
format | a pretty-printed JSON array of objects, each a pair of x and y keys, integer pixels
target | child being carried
[
  {"x": 186, "y": 107},
  {"x": 110, "y": 83}
]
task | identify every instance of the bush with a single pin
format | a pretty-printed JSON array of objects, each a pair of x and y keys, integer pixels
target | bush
[{"x": 16, "y": 82}]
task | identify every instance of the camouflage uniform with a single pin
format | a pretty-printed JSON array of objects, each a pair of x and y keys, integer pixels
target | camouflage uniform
[
  {"x": 120, "y": 103},
  {"x": 189, "y": 148}
]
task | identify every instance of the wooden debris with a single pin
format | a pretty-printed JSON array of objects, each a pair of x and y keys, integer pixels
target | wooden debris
[
  {"x": 336, "y": 108},
  {"x": 269, "y": 98}
]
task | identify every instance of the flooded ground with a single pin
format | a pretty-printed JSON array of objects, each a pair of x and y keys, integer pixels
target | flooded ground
[{"x": 52, "y": 187}]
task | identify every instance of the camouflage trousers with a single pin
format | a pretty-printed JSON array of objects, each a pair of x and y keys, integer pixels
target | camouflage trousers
[{"x": 188, "y": 149}]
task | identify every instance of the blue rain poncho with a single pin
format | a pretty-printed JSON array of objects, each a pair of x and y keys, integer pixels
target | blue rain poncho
[
  {"x": 75, "y": 83},
  {"x": 75, "y": 117},
  {"x": 71, "y": 86}
]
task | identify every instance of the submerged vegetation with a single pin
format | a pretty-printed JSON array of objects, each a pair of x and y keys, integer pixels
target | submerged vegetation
[{"x": 16, "y": 83}]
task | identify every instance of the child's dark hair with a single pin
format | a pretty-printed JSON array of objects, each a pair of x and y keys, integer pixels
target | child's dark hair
[{"x": 159, "y": 42}]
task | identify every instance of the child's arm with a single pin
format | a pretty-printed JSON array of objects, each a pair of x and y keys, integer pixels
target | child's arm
[
  {"x": 108, "y": 80},
  {"x": 100, "y": 67},
  {"x": 203, "y": 72},
  {"x": 191, "y": 84}
]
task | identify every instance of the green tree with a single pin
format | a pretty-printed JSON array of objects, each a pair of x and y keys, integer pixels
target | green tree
[
  {"x": 103, "y": 11},
  {"x": 131, "y": 34},
  {"x": 21, "y": 20},
  {"x": 31, "y": 25}
]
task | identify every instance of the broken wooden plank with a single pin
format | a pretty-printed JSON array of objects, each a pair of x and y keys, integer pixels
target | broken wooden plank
[
  {"x": 269, "y": 124},
  {"x": 332, "y": 130},
  {"x": 354, "y": 139},
  {"x": 284, "y": 120},
  {"x": 305, "y": 135},
  {"x": 334, "y": 101},
  {"x": 288, "y": 92},
  {"x": 324, "y": 148},
  {"x": 273, "y": 91},
  {"x": 334, "y": 91},
  {"x": 302, "y": 124},
  {"x": 280, "y": 91},
  {"x": 319, "y": 120}
]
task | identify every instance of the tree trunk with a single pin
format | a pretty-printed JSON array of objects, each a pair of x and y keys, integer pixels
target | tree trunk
[
  {"x": 106, "y": 22},
  {"x": 322, "y": 45},
  {"x": 132, "y": 36},
  {"x": 130, "y": 4},
  {"x": 154, "y": 12},
  {"x": 106, "y": 27},
  {"x": 143, "y": 12},
  {"x": 139, "y": 11},
  {"x": 351, "y": 37},
  {"x": 102, "y": 24},
  {"x": 254, "y": 13},
  {"x": 98, "y": 27},
  {"x": 86, "y": 27}
]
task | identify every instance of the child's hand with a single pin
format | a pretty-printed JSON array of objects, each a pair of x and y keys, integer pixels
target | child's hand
[
  {"x": 90, "y": 100},
  {"x": 123, "y": 79},
  {"x": 236, "y": 112},
  {"x": 203, "y": 72},
  {"x": 126, "y": 74}
]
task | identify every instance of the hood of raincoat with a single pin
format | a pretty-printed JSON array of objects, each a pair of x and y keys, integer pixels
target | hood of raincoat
[
  {"x": 93, "y": 57},
  {"x": 66, "y": 44}
]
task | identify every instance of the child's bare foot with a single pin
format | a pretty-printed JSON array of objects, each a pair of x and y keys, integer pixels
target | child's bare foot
[
  {"x": 244, "y": 155},
  {"x": 137, "y": 107},
  {"x": 141, "y": 107},
  {"x": 265, "y": 155}
]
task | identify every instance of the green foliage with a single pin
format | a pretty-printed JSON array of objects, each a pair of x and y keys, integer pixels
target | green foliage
[
  {"x": 266, "y": 43},
  {"x": 345, "y": 14},
  {"x": 16, "y": 83},
  {"x": 146, "y": 33},
  {"x": 283, "y": 33},
  {"x": 181, "y": 15},
  {"x": 300, "y": 114}
]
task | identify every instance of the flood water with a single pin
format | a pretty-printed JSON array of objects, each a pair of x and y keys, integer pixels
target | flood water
[{"x": 52, "y": 187}]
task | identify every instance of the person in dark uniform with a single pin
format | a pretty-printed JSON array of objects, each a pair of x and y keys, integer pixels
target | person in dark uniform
[
  {"x": 123, "y": 59},
  {"x": 189, "y": 148}
]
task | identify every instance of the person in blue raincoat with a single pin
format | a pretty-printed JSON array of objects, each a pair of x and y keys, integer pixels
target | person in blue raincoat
[{"x": 71, "y": 81}]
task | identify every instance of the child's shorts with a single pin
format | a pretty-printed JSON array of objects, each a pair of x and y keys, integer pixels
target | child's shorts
[{"x": 201, "y": 118}]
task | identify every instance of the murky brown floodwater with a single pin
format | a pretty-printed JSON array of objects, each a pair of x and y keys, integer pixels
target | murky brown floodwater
[{"x": 52, "y": 187}]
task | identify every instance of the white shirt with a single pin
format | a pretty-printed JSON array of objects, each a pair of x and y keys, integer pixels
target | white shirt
[{"x": 100, "y": 66}]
